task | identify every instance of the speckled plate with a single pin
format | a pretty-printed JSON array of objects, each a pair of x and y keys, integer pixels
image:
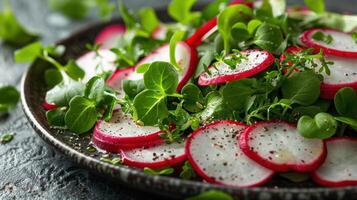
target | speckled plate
[{"x": 74, "y": 146}]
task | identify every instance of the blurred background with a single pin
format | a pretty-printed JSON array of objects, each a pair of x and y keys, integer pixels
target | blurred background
[{"x": 28, "y": 168}]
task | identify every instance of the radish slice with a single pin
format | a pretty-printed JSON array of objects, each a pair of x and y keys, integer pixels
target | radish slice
[
  {"x": 341, "y": 45},
  {"x": 157, "y": 156},
  {"x": 247, "y": 3},
  {"x": 203, "y": 33},
  {"x": 94, "y": 64},
  {"x": 160, "y": 33},
  {"x": 340, "y": 166},
  {"x": 186, "y": 57},
  {"x": 49, "y": 106},
  {"x": 256, "y": 61},
  {"x": 122, "y": 133},
  {"x": 280, "y": 147},
  {"x": 109, "y": 36},
  {"x": 116, "y": 80},
  {"x": 214, "y": 154}
]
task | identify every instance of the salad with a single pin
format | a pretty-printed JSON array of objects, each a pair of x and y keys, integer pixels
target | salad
[{"x": 233, "y": 94}]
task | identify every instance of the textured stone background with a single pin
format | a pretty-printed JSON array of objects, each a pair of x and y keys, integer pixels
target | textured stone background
[{"x": 28, "y": 168}]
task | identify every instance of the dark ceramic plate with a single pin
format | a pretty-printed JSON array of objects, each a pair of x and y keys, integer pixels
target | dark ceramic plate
[{"x": 74, "y": 146}]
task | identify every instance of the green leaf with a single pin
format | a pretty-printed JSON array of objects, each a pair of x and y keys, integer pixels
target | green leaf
[
  {"x": 105, "y": 8},
  {"x": 237, "y": 94},
  {"x": 53, "y": 77},
  {"x": 133, "y": 87},
  {"x": 181, "y": 12},
  {"x": 150, "y": 107},
  {"x": 213, "y": 9},
  {"x": 6, "y": 138},
  {"x": 187, "y": 172},
  {"x": 82, "y": 115},
  {"x": 345, "y": 102},
  {"x": 128, "y": 17},
  {"x": 28, "y": 53},
  {"x": 95, "y": 89},
  {"x": 349, "y": 121},
  {"x": 268, "y": 37},
  {"x": 230, "y": 16},
  {"x": 62, "y": 93},
  {"x": 74, "y": 71},
  {"x": 322, "y": 126},
  {"x": 162, "y": 77},
  {"x": 9, "y": 97},
  {"x": 240, "y": 32},
  {"x": 74, "y": 9},
  {"x": 354, "y": 36},
  {"x": 208, "y": 56},
  {"x": 193, "y": 98},
  {"x": 253, "y": 25},
  {"x": 210, "y": 195},
  {"x": 56, "y": 117},
  {"x": 278, "y": 7},
  {"x": 304, "y": 92},
  {"x": 320, "y": 36},
  {"x": 148, "y": 19},
  {"x": 166, "y": 171},
  {"x": 178, "y": 36},
  {"x": 318, "y": 6},
  {"x": 142, "y": 68},
  {"x": 214, "y": 108},
  {"x": 11, "y": 31}
]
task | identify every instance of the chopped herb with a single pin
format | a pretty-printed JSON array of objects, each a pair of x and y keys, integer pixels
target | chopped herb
[
  {"x": 320, "y": 36},
  {"x": 91, "y": 149},
  {"x": 187, "y": 172},
  {"x": 6, "y": 138},
  {"x": 166, "y": 171},
  {"x": 9, "y": 98},
  {"x": 213, "y": 194},
  {"x": 354, "y": 36},
  {"x": 113, "y": 161}
]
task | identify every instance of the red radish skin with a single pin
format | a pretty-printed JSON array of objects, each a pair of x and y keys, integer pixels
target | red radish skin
[
  {"x": 342, "y": 45},
  {"x": 257, "y": 61},
  {"x": 107, "y": 38},
  {"x": 122, "y": 133},
  {"x": 49, "y": 106},
  {"x": 214, "y": 154},
  {"x": 236, "y": 2},
  {"x": 203, "y": 32},
  {"x": 340, "y": 166},
  {"x": 281, "y": 151},
  {"x": 160, "y": 33},
  {"x": 93, "y": 64},
  {"x": 116, "y": 80},
  {"x": 157, "y": 156},
  {"x": 186, "y": 57}
]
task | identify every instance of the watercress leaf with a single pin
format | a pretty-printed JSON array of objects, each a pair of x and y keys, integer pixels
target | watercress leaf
[
  {"x": 265, "y": 11},
  {"x": 74, "y": 9},
  {"x": 95, "y": 89},
  {"x": 230, "y": 16},
  {"x": 181, "y": 12},
  {"x": 268, "y": 37},
  {"x": 236, "y": 94},
  {"x": 73, "y": 70},
  {"x": 318, "y": 6},
  {"x": 302, "y": 92},
  {"x": 105, "y": 8},
  {"x": 345, "y": 102},
  {"x": 11, "y": 31},
  {"x": 110, "y": 102},
  {"x": 166, "y": 171},
  {"x": 150, "y": 107},
  {"x": 349, "y": 121},
  {"x": 354, "y": 36},
  {"x": 320, "y": 36},
  {"x": 161, "y": 76},
  {"x": 133, "y": 87},
  {"x": 239, "y": 32},
  {"x": 178, "y": 35},
  {"x": 56, "y": 117},
  {"x": 253, "y": 25},
  {"x": 322, "y": 126},
  {"x": 62, "y": 93},
  {"x": 214, "y": 108},
  {"x": 28, "y": 53},
  {"x": 193, "y": 98},
  {"x": 213, "y": 9},
  {"x": 213, "y": 194},
  {"x": 148, "y": 19},
  {"x": 81, "y": 115},
  {"x": 128, "y": 17},
  {"x": 207, "y": 57},
  {"x": 53, "y": 77},
  {"x": 142, "y": 68},
  {"x": 9, "y": 97},
  {"x": 187, "y": 172}
]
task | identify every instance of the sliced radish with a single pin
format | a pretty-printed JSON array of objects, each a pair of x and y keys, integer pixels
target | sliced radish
[
  {"x": 256, "y": 61},
  {"x": 122, "y": 133},
  {"x": 202, "y": 33},
  {"x": 49, "y": 106},
  {"x": 340, "y": 166},
  {"x": 94, "y": 64},
  {"x": 160, "y": 33},
  {"x": 341, "y": 45},
  {"x": 116, "y": 80},
  {"x": 156, "y": 156},
  {"x": 215, "y": 155},
  {"x": 247, "y": 3},
  {"x": 186, "y": 57},
  {"x": 280, "y": 147},
  {"x": 108, "y": 37}
]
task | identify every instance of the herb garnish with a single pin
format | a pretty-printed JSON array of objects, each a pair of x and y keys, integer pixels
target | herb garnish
[
  {"x": 166, "y": 171},
  {"x": 6, "y": 138},
  {"x": 320, "y": 36},
  {"x": 9, "y": 98}
]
